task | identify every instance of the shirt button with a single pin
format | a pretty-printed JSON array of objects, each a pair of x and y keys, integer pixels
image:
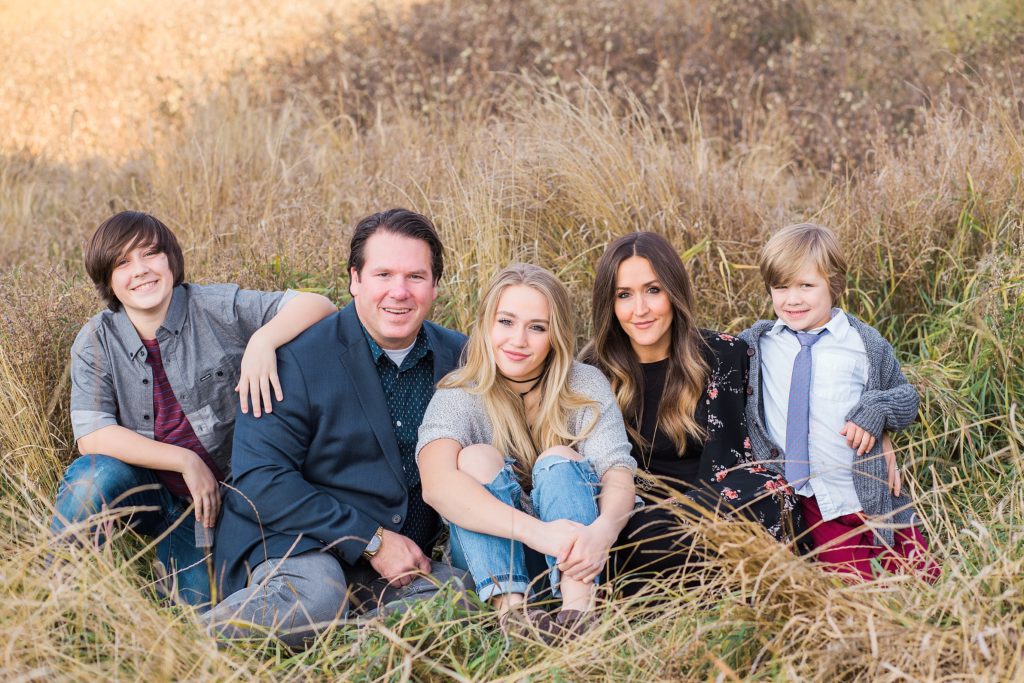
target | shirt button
[
  {"x": 398, "y": 423},
  {"x": 145, "y": 417},
  {"x": 220, "y": 373},
  {"x": 396, "y": 519},
  {"x": 145, "y": 381},
  {"x": 775, "y": 452},
  {"x": 750, "y": 390},
  {"x": 750, "y": 352}
]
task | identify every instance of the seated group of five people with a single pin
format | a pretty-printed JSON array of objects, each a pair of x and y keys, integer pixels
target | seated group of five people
[{"x": 358, "y": 435}]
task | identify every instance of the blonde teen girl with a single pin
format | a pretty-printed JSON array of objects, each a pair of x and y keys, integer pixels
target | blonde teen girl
[{"x": 524, "y": 452}]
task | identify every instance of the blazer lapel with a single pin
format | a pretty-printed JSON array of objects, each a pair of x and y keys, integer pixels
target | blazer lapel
[
  {"x": 357, "y": 361},
  {"x": 446, "y": 356}
]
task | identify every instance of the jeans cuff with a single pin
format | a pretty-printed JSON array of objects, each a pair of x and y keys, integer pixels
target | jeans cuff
[{"x": 501, "y": 585}]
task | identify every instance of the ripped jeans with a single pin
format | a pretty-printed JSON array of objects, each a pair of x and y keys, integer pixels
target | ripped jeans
[
  {"x": 96, "y": 482},
  {"x": 562, "y": 489}
]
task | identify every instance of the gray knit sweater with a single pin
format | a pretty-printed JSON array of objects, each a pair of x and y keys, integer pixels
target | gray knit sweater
[{"x": 889, "y": 402}]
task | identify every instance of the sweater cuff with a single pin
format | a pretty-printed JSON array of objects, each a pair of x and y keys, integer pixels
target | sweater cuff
[{"x": 872, "y": 421}]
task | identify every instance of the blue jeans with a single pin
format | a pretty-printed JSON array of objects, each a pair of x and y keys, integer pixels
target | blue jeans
[
  {"x": 96, "y": 482},
  {"x": 562, "y": 489}
]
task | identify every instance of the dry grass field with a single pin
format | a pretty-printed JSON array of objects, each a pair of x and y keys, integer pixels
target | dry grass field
[{"x": 537, "y": 131}]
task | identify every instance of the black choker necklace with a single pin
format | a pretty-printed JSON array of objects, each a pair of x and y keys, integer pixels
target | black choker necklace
[
  {"x": 518, "y": 381},
  {"x": 522, "y": 394}
]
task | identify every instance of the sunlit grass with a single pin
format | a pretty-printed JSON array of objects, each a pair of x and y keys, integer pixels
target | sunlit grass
[{"x": 288, "y": 128}]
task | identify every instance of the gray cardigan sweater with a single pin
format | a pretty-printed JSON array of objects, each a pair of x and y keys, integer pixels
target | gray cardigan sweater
[{"x": 889, "y": 402}]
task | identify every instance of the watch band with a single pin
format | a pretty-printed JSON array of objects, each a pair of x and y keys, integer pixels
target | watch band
[{"x": 373, "y": 547}]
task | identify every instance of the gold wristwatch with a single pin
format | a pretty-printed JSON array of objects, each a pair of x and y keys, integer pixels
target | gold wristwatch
[{"x": 374, "y": 545}]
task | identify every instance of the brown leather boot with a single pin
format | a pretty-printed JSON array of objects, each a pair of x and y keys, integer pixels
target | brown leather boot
[
  {"x": 529, "y": 624},
  {"x": 573, "y": 623}
]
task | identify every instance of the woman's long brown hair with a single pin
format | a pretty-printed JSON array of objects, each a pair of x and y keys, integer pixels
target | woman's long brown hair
[{"x": 611, "y": 351}]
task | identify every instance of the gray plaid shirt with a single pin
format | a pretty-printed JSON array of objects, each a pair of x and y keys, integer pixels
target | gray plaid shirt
[{"x": 201, "y": 343}]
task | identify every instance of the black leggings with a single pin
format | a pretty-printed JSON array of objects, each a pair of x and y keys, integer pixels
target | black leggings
[{"x": 653, "y": 545}]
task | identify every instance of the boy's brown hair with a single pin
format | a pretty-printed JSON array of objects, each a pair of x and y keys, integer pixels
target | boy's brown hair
[
  {"x": 117, "y": 236},
  {"x": 788, "y": 250}
]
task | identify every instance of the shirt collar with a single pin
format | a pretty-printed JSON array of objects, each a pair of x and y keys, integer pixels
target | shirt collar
[
  {"x": 778, "y": 327},
  {"x": 175, "y": 318},
  {"x": 419, "y": 348},
  {"x": 126, "y": 332},
  {"x": 838, "y": 326}
]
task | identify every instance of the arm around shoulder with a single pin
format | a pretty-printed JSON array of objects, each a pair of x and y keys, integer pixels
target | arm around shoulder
[
  {"x": 258, "y": 371},
  {"x": 297, "y": 313}
]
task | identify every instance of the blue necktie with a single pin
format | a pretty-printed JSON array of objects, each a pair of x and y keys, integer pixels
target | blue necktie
[{"x": 798, "y": 461}]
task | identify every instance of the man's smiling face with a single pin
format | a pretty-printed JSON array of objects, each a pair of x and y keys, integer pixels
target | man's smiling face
[{"x": 395, "y": 289}]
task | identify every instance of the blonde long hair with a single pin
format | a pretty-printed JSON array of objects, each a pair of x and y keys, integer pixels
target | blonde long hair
[{"x": 504, "y": 407}]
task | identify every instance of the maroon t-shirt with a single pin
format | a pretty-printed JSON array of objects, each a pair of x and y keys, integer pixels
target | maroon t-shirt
[{"x": 170, "y": 424}]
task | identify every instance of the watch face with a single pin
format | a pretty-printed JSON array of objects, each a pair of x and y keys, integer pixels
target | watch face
[{"x": 374, "y": 544}]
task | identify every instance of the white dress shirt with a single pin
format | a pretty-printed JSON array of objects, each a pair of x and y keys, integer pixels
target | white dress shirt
[{"x": 839, "y": 373}]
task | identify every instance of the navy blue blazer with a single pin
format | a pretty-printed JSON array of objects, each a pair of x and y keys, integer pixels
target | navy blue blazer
[{"x": 324, "y": 468}]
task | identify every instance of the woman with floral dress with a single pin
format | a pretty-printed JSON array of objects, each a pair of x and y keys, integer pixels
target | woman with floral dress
[{"x": 682, "y": 392}]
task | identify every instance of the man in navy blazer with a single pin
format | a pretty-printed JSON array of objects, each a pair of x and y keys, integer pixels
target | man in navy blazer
[{"x": 324, "y": 498}]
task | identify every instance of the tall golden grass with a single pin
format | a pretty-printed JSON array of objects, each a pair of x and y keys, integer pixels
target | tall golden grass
[{"x": 538, "y": 131}]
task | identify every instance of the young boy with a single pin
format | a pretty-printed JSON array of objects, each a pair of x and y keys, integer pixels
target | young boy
[
  {"x": 152, "y": 406},
  {"x": 824, "y": 389}
]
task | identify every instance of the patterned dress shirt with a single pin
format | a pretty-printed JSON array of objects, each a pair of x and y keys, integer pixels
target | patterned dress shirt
[{"x": 407, "y": 390}]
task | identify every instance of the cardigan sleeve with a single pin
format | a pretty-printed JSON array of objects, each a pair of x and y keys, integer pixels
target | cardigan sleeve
[{"x": 893, "y": 404}]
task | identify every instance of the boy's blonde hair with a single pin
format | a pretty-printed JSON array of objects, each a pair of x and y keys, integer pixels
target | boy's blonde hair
[{"x": 788, "y": 250}]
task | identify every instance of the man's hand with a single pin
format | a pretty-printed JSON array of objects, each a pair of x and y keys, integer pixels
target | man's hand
[
  {"x": 590, "y": 551},
  {"x": 399, "y": 559},
  {"x": 857, "y": 438},
  {"x": 203, "y": 487},
  {"x": 895, "y": 482},
  {"x": 257, "y": 374}
]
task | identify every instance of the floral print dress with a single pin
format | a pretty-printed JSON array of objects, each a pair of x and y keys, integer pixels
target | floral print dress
[{"x": 728, "y": 471}]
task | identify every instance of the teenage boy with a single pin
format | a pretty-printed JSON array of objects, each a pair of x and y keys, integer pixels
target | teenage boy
[
  {"x": 825, "y": 386},
  {"x": 326, "y": 496},
  {"x": 152, "y": 400}
]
